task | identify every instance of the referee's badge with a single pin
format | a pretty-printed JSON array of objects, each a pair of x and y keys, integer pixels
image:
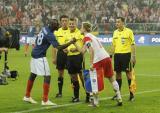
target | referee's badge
[{"x": 122, "y": 40}]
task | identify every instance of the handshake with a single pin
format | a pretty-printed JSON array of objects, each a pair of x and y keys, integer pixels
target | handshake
[{"x": 73, "y": 40}]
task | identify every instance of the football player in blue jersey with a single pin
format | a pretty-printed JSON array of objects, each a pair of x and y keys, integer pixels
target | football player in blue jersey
[{"x": 39, "y": 64}]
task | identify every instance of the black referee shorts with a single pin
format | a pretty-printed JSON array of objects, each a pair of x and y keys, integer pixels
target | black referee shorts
[
  {"x": 61, "y": 60},
  {"x": 74, "y": 64},
  {"x": 122, "y": 62}
]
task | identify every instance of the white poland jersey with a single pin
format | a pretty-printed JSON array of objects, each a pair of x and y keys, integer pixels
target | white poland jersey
[{"x": 99, "y": 52}]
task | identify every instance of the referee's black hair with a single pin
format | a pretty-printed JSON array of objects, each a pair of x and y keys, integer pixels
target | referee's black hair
[
  {"x": 122, "y": 19},
  {"x": 63, "y": 16}
]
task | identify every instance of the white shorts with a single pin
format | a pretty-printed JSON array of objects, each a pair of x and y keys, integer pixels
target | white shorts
[
  {"x": 40, "y": 66},
  {"x": 31, "y": 40}
]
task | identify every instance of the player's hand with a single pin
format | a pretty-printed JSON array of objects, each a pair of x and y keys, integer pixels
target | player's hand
[
  {"x": 73, "y": 50},
  {"x": 65, "y": 50},
  {"x": 91, "y": 68},
  {"x": 73, "y": 40}
]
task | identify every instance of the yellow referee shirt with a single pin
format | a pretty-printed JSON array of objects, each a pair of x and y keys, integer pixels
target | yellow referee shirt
[
  {"x": 76, "y": 34},
  {"x": 61, "y": 35},
  {"x": 122, "y": 40}
]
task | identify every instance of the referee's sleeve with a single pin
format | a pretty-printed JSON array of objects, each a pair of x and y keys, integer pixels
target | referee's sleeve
[
  {"x": 113, "y": 40},
  {"x": 132, "y": 37}
]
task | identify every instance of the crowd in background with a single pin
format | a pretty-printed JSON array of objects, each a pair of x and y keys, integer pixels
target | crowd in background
[{"x": 26, "y": 12}]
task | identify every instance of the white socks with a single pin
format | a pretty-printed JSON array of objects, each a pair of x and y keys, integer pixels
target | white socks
[{"x": 116, "y": 89}]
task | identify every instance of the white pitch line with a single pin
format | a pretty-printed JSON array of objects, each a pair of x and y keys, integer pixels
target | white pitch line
[
  {"x": 72, "y": 104},
  {"x": 149, "y": 75}
]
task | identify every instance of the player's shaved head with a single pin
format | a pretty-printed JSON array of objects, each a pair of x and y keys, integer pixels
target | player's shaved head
[{"x": 53, "y": 25}]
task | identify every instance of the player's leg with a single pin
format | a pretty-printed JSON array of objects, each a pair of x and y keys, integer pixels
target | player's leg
[
  {"x": 108, "y": 72},
  {"x": 43, "y": 70},
  {"x": 46, "y": 87},
  {"x": 60, "y": 83},
  {"x": 74, "y": 67},
  {"x": 30, "y": 83},
  {"x": 61, "y": 64},
  {"x": 79, "y": 62},
  {"x": 116, "y": 89},
  {"x": 82, "y": 81},
  {"x": 76, "y": 87},
  {"x": 94, "y": 100},
  {"x": 117, "y": 68},
  {"x": 129, "y": 77},
  {"x": 127, "y": 67}
]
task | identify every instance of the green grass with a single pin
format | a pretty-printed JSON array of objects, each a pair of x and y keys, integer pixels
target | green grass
[{"x": 148, "y": 77}]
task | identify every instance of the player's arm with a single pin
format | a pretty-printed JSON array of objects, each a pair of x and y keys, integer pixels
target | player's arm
[
  {"x": 112, "y": 48},
  {"x": 133, "y": 54},
  {"x": 54, "y": 55},
  {"x": 133, "y": 48},
  {"x": 81, "y": 49},
  {"x": 60, "y": 47},
  {"x": 52, "y": 39},
  {"x": 91, "y": 52}
]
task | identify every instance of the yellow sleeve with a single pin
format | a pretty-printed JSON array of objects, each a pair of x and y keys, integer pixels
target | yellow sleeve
[
  {"x": 113, "y": 39},
  {"x": 132, "y": 37},
  {"x": 56, "y": 34},
  {"x": 80, "y": 40}
]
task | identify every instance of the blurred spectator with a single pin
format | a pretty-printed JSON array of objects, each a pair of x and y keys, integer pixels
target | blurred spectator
[{"x": 96, "y": 11}]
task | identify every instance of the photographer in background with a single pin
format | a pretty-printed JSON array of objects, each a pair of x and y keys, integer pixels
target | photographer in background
[
  {"x": 3, "y": 33},
  {"x": 3, "y": 49}
]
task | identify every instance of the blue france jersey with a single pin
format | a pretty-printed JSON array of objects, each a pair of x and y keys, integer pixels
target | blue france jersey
[
  {"x": 44, "y": 39},
  {"x": 31, "y": 31}
]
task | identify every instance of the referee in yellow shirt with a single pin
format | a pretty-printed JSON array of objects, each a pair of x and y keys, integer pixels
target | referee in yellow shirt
[
  {"x": 123, "y": 48},
  {"x": 60, "y": 56},
  {"x": 75, "y": 59}
]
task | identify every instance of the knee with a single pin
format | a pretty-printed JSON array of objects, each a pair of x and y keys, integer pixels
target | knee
[
  {"x": 47, "y": 79},
  {"x": 118, "y": 75},
  {"x": 32, "y": 76}
]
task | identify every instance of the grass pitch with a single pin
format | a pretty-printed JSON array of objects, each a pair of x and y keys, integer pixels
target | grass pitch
[{"x": 147, "y": 96}]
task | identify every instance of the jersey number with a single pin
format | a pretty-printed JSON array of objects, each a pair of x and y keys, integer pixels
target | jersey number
[{"x": 39, "y": 38}]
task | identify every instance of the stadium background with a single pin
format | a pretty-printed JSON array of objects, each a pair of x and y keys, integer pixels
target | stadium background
[{"x": 143, "y": 16}]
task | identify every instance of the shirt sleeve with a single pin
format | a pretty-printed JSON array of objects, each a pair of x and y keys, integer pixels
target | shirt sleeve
[
  {"x": 132, "y": 37},
  {"x": 113, "y": 39},
  {"x": 87, "y": 41},
  {"x": 52, "y": 39}
]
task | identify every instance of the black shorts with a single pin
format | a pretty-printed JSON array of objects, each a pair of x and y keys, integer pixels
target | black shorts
[
  {"x": 61, "y": 60},
  {"x": 74, "y": 64},
  {"x": 122, "y": 62}
]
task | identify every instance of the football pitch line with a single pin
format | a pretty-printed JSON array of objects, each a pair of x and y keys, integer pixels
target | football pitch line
[
  {"x": 73, "y": 104},
  {"x": 149, "y": 75}
]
